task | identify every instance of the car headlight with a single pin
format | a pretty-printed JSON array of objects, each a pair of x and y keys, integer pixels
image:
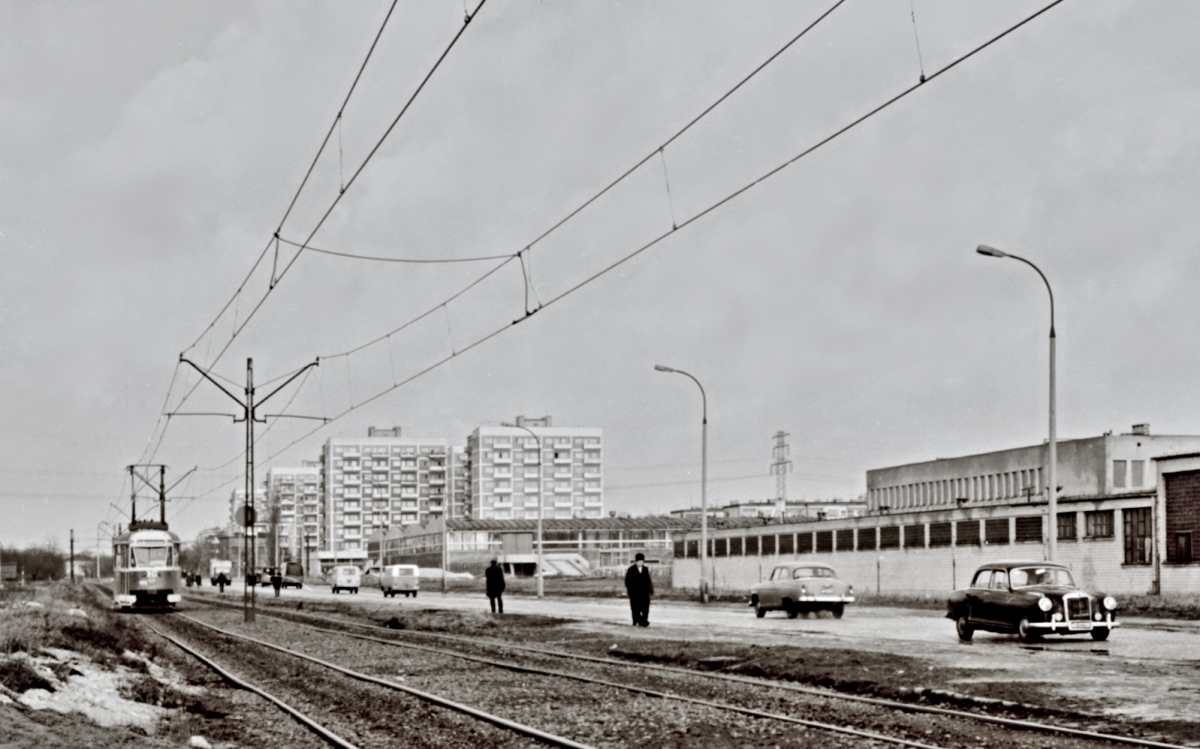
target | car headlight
[
  {"x": 1110, "y": 603},
  {"x": 1045, "y": 604}
]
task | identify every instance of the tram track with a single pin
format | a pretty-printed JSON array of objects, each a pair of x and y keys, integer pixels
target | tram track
[{"x": 758, "y": 690}]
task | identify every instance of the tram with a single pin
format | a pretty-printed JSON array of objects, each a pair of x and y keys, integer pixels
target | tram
[{"x": 146, "y": 567}]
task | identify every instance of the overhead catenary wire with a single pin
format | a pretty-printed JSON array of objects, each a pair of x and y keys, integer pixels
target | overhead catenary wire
[
  {"x": 415, "y": 261},
  {"x": 507, "y": 259},
  {"x": 658, "y": 239},
  {"x": 274, "y": 239},
  {"x": 712, "y": 207}
]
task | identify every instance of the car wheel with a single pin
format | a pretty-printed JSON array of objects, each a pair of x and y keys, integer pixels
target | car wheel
[
  {"x": 837, "y": 610},
  {"x": 792, "y": 609},
  {"x": 1025, "y": 633},
  {"x": 1100, "y": 634},
  {"x": 759, "y": 611},
  {"x": 963, "y": 625}
]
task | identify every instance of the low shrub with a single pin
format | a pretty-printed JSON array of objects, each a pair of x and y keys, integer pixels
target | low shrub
[{"x": 19, "y": 676}]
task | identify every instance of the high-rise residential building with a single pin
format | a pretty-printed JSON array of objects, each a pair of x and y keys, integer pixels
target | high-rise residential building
[
  {"x": 294, "y": 511},
  {"x": 381, "y": 481},
  {"x": 508, "y": 477}
]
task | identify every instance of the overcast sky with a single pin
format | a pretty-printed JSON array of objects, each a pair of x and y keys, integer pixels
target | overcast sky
[{"x": 151, "y": 150}]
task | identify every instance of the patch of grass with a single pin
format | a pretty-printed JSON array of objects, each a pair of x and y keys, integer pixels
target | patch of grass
[
  {"x": 146, "y": 689},
  {"x": 1174, "y": 607},
  {"x": 19, "y": 676}
]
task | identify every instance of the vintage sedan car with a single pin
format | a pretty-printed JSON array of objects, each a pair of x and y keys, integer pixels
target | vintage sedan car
[
  {"x": 801, "y": 588},
  {"x": 1031, "y": 599}
]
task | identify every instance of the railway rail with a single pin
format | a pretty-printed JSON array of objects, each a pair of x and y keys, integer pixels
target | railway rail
[{"x": 327, "y": 625}]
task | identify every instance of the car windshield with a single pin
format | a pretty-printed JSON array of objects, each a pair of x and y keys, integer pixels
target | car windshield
[{"x": 1027, "y": 577}]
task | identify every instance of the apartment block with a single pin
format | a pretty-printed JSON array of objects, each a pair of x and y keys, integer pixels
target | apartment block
[
  {"x": 381, "y": 481},
  {"x": 294, "y": 511},
  {"x": 513, "y": 468}
]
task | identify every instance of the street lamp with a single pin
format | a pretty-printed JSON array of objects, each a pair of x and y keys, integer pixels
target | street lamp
[
  {"x": 538, "y": 440},
  {"x": 703, "y": 480},
  {"x": 1052, "y": 458}
]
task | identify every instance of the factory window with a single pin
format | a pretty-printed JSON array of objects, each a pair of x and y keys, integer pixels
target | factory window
[
  {"x": 752, "y": 546},
  {"x": 824, "y": 541},
  {"x": 866, "y": 539},
  {"x": 1098, "y": 524},
  {"x": 1137, "y": 535},
  {"x": 889, "y": 537},
  {"x": 845, "y": 540},
  {"x": 939, "y": 534},
  {"x": 787, "y": 543},
  {"x": 679, "y": 549},
  {"x": 1137, "y": 473},
  {"x": 720, "y": 547},
  {"x": 1067, "y": 527},
  {"x": 914, "y": 536},
  {"x": 768, "y": 545},
  {"x": 1029, "y": 529},
  {"x": 693, "y": 549},
  {"x": 967, "y": 532},
  {"x": 1118, "y": 474},
  {"x": 996, "y": 530},
  {"x": 804, "y": 543},
  {"x": 735, "y": 547}
]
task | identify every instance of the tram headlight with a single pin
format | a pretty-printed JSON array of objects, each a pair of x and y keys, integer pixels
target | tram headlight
[{"x": 1045, "y": 604}]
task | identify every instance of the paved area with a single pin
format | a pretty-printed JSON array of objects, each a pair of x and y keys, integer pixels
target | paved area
[{"x": 1148, "y": 669}]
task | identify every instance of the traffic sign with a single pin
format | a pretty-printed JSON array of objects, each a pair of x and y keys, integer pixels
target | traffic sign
[{"x": 246, "y": 516}]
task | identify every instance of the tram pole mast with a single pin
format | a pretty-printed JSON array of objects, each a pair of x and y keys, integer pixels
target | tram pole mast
[{"x": 249, "y": 591}]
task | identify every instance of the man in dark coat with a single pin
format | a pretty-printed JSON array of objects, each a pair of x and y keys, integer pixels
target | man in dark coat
[
  {"x": 640, "y": 588},
  {"x": 495, "y": 586}
]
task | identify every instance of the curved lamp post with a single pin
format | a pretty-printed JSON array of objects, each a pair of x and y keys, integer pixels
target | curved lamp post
[
  {"x": 1052, "y": 457},
  {"x": 703, "y": 480},
  {"x": 540, "y": 588}
]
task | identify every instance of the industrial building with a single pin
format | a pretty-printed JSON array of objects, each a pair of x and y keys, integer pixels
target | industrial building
[{"x": 1128, "y": 506}]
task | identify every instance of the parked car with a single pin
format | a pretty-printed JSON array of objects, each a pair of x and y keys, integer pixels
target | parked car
[
  {"x": 801, "y": 588},
  {"x": 371, "y": 577},
  {"x": 400, "y": 578},
  {"x": 345, "y": 577},
  {"x": 293, "y": 575},
  {"x": 1031, "y": 599}
]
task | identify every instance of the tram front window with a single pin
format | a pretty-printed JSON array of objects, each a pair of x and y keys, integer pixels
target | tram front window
[{"x": 151, "y": 556}]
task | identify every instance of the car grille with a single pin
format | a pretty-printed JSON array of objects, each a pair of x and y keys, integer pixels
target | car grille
[{"x": 1079, "y": 609}]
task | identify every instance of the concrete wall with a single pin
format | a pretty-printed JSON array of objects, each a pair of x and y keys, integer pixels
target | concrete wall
[{"x": 1098, "y": 563}]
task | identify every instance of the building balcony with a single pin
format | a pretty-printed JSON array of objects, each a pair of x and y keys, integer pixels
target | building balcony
[
  {"x": 593, "y": 501},
  {"x": 592, "y": 489},
  {"x": 531, "y": 460},
  {"x": 352, "y": 493},
  {"x": 437, "y": 468},
  {"x": 562, "y": 490},
  {"x": 409, "y": 494},
  {"x": 504, "y": 490},
  {"x": 592, "y": 474},
  {"x": 561, "y": 474},
  {"x": 591, "y": 460},
  {"x": 563, "y": 460},
  {"x": 351, "y": 481},
  {"x": 502, "y": 459},
  {"x": 440, "y": 481},
  {"x": 347, "y": 467}
]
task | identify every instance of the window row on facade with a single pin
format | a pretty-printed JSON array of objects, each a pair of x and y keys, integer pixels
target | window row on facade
[
  {"x": 993, "y": 486},
  {"x": 1097, "y": 525}
]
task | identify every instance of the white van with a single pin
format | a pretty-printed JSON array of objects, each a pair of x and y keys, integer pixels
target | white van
[
  {"x": 400, "y": 578},
  {"x": 345, "y": 577}
]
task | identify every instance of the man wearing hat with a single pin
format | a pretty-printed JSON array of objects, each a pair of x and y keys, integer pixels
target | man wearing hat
[{"x": 640, "y": 588}]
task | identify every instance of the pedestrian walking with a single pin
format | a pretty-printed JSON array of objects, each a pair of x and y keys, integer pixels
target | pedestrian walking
[
  {"x": 640, "y": 587},
  {"x": 222, "y": 581},
  {"x": 495, "y": 587}
]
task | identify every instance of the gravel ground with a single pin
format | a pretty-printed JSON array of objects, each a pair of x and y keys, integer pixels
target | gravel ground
[{"x": 606, "y": 716}]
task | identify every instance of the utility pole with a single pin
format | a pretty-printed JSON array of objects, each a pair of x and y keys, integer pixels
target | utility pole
[
  {"x": 72, "y": 556},
  {"x": 249, "y": 592},
  {"x": 780, "y": 469}
]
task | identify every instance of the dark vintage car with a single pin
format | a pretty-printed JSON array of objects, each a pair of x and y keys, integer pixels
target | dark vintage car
[
  {"x": 801, "y": 588},
  {"x": 1031, "y": 599}
]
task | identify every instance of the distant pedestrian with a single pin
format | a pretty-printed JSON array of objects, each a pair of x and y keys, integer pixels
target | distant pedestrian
[
  {"x": 495, "y": 587},
  {"x": 222, "y": 581},
  {"x": 640, "y": 587}
]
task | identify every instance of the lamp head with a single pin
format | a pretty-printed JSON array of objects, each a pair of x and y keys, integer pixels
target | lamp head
[
  {"x": 983, "y": 249},
  {"x": 661, "y": 368},
  {"x": 506, "y": 424}
]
